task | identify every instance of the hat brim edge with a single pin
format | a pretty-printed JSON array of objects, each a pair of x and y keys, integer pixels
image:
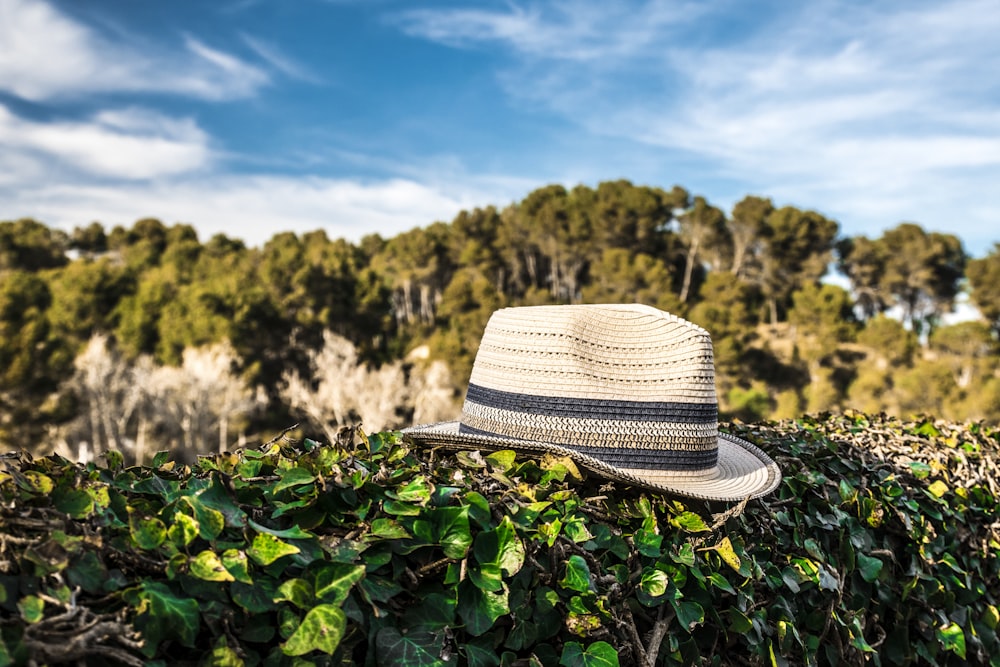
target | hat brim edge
[{"x": 447, "y": 434}]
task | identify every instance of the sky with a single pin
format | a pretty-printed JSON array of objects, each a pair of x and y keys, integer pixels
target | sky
[{"x": 253, "y": 117}]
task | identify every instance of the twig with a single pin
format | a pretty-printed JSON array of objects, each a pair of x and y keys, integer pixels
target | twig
[
  {"x": 656, "y": 637},
  {"x": 279, "y": 436}
]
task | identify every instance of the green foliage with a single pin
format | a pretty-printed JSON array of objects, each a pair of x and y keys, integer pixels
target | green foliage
[
  {"x": 880, "y": 545},
  {"x": 984, "y": 277}
]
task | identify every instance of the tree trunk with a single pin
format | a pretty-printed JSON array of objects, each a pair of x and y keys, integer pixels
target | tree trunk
[{"x": 692, "y": 256}]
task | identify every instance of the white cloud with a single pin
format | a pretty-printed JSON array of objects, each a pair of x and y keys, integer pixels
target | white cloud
[
  {"x": 45, "y": 54},
  {"x": 125, "y": 143},
  {"x": 870, "y": 113},
  {"x": 254, "y": 208}
]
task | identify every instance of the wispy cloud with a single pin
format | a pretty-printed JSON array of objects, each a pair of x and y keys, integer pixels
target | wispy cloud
[
  {"x": 281, "y": 61},
  {"x": 879, "y": 112},
  {"x": 47, "y": 54},
  {"x": 254, "y": 208},
  {"x": 131, "y": 143}
]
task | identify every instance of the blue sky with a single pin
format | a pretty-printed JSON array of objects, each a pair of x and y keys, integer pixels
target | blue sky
[{"x": 251, "y": 117}]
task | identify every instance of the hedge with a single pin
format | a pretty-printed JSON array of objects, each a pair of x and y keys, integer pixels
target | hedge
[{"x": 881, "y": 546}]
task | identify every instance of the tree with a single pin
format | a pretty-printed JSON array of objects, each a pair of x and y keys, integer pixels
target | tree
[
  {"x": 748, "y": 230},
  {"x": 967, "y": 347},
  {"x": 621, "y": 277},
  {"x": 796, "y": 252},
  {"x": 890, "y": 342},
  {"x": 340, "y": 390},
  {"x": 702, "y": 227},
  {"x": 723, "y": 309},
  {"x": 201, "y": 398},
  {"x": 922, "y": 273},
  {"x": 984, "y": 278},
  {"x": 28, "y": 245},
  {"x": 864, "y": 263}
]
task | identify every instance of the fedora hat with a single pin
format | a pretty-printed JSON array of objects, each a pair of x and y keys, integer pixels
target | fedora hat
[{"x": 625, "y": 390}]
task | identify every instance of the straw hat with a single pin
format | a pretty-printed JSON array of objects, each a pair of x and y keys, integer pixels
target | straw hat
[{"x": 627, "y": 391}]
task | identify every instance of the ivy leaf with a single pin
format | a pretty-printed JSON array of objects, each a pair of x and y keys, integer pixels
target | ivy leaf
[
  {"x": 689, "y": 522},
  {"x": 291, "y": 477},
  {"x": 452, "y": 528},
  {"x": 235, "y": 562},
  {"x": 952, "y": 638},
  {"x": 654, "y": 583},
  {"x": 207, "y": 566},
  {"x": 500, "y": 547},
  {"x": 166, "y": 616},
  {"x": 147, "y": 532},
  {"x": 74, "y": 502},
  {"x": 480, "y": 609},
  {"x": 320, "y": 630},
  {"x": 577, "y": 577},
  {"x": 689, "y": 614},
  {"x": 32, "y": 608},
  {"x": 334, "y": 581},
  {"x": 293, "y": 533},
  {"x": 598, "y": 654},
  {"x": 267, "y": 548},
  {"x": 297, "y": 591},
  {"x": 183, "y": 530},
  {"x": 417, "y": 648},
  {"x": 725, "y": 550},
  {"x": 869, "y": 567}
]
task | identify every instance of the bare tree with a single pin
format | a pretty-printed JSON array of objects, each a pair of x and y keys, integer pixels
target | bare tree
[
  {"x": 201, "y": 397},
  {"x": 342, "y": 391}
]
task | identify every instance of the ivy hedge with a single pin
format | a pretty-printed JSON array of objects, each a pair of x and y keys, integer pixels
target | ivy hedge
[{"x": 881, "y": 546}]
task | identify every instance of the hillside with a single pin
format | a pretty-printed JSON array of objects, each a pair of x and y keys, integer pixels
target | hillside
[{"x": 882, "y": 546}]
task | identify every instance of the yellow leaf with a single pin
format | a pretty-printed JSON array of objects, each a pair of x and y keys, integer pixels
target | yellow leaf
[
  {"x": 725, "y": 550},
  {"x": 938, "y": 488}
]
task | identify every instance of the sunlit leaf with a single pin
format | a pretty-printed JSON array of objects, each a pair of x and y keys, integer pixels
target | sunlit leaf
[{"x": 321, "y": 630}]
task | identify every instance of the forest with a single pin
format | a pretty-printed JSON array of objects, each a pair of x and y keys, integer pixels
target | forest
[{"x": 148, "y": 338}]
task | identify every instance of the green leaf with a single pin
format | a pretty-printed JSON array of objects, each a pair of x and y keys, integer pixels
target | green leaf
[
  {"x": 689, "y": 614},
  {"x": 74, "y": 502},
  {"x": 293, "y": 533},
  {"x": 235, "y": 562},
  {"x": 689, "y": 522},
  {"x": 452, "y": 528},
  {"x": 503, "y": 459},
  {"x": 920, "y": 469},
  {"x": 183, "y": 530},
  {"x": 500, "y": 547},
  {"x": 389, "y": 529},
  {"x": 648, "y": 543},
  {"x": 209, "y": 567},
  {"x": 297, "y": 591},
  {"x": 334, "y": 581},
  {"x": 267, "y": 548},
  {"x": 720, "y": 582},
  {"x": 480, "y": 609},
  {"x": 654, "y": 583},
  {"x": 418, "y": 648},
  {"x": 952, "y": 638},
  {"x": 320, "y": 630},
  {"x": 37, "y": 483},
  {"x": 88, "y": 572},
  {"x": 738, "y": 622},
  {"x": 869, "y": 567},
  {"x": 165, "y": 616},
  {"x": 577, "y": 577},
  {"x": 598, "y": 654},
  {"x": 291, "y": 477},
  {"x": 417, "y": 490},
  {"x": 32, "y": 608},
  {"x": 147, "y": 532}
]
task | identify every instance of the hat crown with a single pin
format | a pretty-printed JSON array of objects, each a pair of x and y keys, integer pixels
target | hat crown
[{"x": 627, "y": 384}]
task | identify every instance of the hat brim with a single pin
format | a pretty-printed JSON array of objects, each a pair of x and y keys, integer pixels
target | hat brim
[{"x": 743, "y": 469}]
